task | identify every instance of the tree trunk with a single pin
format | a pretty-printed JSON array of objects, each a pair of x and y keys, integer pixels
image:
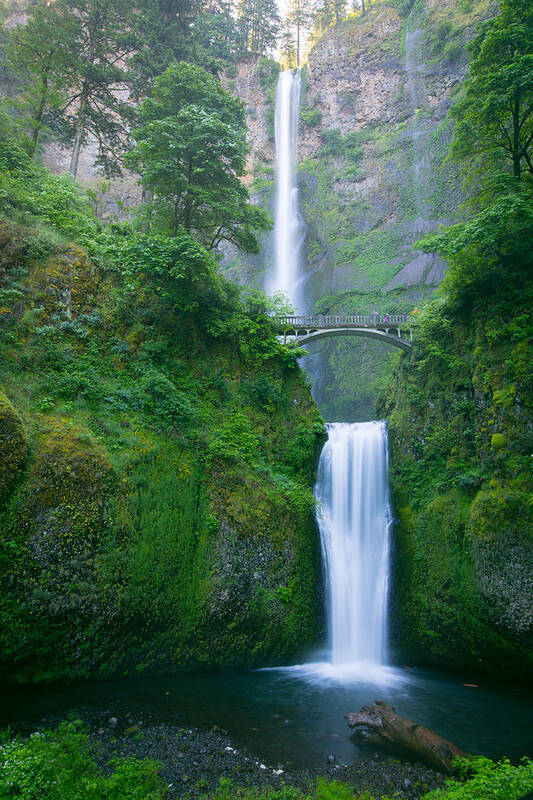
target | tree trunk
[
  {"x": 517, "y": 167},
  {"x": 37, "y": 125},
  {"x": 80, "y": 130},
  {"x": 146, "y": 199},
  {"x": 380, "y": 725},
  {"x": 363, "y": 9}
]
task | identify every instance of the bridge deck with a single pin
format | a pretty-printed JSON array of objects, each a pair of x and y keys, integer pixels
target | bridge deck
[
  {"x": 390, "y": 328},
  {"x": 320, "y": 321}
]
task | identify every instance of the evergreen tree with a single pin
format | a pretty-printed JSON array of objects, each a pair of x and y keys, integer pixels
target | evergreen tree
[
  {"x": 41, "y": 54},
  {"x": 299, "y": 17},
  {"x": 260, "y": 24},
  {"x": 325, "y": 12},
  {"x": 288, "y": 46},
  {"x": 97, "y": 104},
  {"x": 190, "y": 152},
  {"x": 163, "y": 28},
  {"x": 216, "y": 40}
]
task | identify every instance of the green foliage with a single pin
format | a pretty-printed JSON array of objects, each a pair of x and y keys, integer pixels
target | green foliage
[
  {"x": 178, "y": 269},
  {"x": 347, "y": 146},
  {"x": 324, "y": 789},
  {"x": 267, "y": 70},
  {"x": 447, "y": 41},
  {"x": 262, "y": 392},
  {"x": 488, "y": 255},
  {"x": 41, "y": 53},
  {"x": 259, "y": 24},
  {"x": 234, "y": 440},
  {"x": 12, "y": 443},
  {"x": 56, "y": 765},
  {"x": 494, "y": 113},
  {"x": 191, "y": 152},
  {"x": 311, "y": 117},
  {"x": 488, "y": 781},
  {"x": 154, "y": 398}
]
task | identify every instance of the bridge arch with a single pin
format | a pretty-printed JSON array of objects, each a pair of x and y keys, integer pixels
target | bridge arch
[{"x": 392, "y": 329}]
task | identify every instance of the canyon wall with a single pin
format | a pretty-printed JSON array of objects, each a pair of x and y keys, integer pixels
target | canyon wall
[{"x": 373, "y": 178}]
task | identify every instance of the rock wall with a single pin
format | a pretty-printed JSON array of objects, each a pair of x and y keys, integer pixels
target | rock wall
[
  {"x": 155, "y": 509},
  {"x": 461, "y": 432},
  {"x": 373, "y": 179}
]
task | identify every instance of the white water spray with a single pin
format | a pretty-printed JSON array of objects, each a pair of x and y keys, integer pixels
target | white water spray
[
  {"x": 352, "y": 487},
  {"x": 354, "y": 522},
  {"x": 288, "y": 228}
]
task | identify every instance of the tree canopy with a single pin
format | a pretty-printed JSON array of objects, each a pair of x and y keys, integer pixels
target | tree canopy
[
  {"x": 495, "y": 114},
  {"x": 191, "y": 152}
]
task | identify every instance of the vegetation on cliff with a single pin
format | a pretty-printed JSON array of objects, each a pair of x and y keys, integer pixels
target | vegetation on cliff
[
  {"x": 461, "y": 411},
  {"x": 155, "y": 508}
]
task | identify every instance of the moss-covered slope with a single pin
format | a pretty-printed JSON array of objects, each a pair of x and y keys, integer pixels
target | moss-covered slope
[
  {"x": 461, "y": 434},
  {"x": 155, "y": 510}
]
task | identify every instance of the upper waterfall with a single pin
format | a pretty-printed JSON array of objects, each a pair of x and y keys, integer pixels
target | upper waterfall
[
  {"x": 288, "y": 226},
  {"x": 354, "y": 522}
]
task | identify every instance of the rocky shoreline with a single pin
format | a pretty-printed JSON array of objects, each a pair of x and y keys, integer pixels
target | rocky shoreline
[{"x": 193, "y": 761}]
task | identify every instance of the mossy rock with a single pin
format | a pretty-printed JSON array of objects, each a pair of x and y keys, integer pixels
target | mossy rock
[
  {"x": 69, "y": 467},
  {"x": 13, "y": 445},
  {"x": 498, "y": 441},
  {"x": 65, "y": 283},
  {"x": 502, "y": 511}
]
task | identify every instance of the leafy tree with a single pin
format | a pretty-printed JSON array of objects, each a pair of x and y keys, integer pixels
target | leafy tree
[
  {"x": 495, "y": 114},
  {"x": 41, "y": 53},
  {"x": 489, "y": 256},
  {"x": 260, "y": 23},
  {"x": 190, "y": 153}
]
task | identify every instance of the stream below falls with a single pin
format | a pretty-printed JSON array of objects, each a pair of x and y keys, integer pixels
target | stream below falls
[{"x": 291, "y": 715}]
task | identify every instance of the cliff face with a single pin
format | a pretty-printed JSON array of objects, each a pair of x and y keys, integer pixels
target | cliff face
[
  {"x": 461, "y": 435},
  {"x": 374, "y": 134},
  {"x": 154, "y": 513}
]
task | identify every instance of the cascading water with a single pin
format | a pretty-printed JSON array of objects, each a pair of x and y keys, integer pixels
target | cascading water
[
  {"x": 288, "y": 227},
  {"x": 351, "y": 489},
  {"x": 354, "y": 521}
]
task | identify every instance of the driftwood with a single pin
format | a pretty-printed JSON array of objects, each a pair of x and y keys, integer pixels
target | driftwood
[{"x": 380, "y": 725}]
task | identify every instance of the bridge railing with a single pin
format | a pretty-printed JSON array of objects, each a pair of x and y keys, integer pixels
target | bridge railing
[{"x": 341, "y": 321}]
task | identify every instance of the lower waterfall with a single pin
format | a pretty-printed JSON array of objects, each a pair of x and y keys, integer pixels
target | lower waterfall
[{"x": 354, "y": 520}]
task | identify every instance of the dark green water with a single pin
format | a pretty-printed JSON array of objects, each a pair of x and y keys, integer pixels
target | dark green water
[{"x": 282, "y": 716}]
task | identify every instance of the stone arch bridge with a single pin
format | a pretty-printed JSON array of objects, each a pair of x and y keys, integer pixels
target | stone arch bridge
[{"x": 393, "y": 329}]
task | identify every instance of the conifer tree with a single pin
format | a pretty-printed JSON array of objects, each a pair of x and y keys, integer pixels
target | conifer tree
[
  {"x": 299, "y": 17},
  {"x": 40, "y": 54},
  {"x": 288, "y": 46},
  {"x": 97, "y": 102},
  {"x": 260, "y": 24}
]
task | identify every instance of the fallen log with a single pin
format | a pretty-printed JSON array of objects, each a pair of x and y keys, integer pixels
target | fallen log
[{"x": 380, "y": 726}]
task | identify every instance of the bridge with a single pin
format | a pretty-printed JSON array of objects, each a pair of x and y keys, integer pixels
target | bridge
[{"x": 393, "y": 329}]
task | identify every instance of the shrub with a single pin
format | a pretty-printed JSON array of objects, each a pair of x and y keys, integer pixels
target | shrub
[
  {"x": 490, "y": 781},
  {"x": 163, "y": 399},
  {"x": 311, "y": 117},
  {"x": 58, "y": 765},
  {"x": 262, "y": 393}
]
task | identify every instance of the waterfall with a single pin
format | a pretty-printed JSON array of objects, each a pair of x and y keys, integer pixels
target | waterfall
[
  {"x": 354, "y": 521},
  {"x": 352, "y": 484},
  {"x": 288, "y": 228}
]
